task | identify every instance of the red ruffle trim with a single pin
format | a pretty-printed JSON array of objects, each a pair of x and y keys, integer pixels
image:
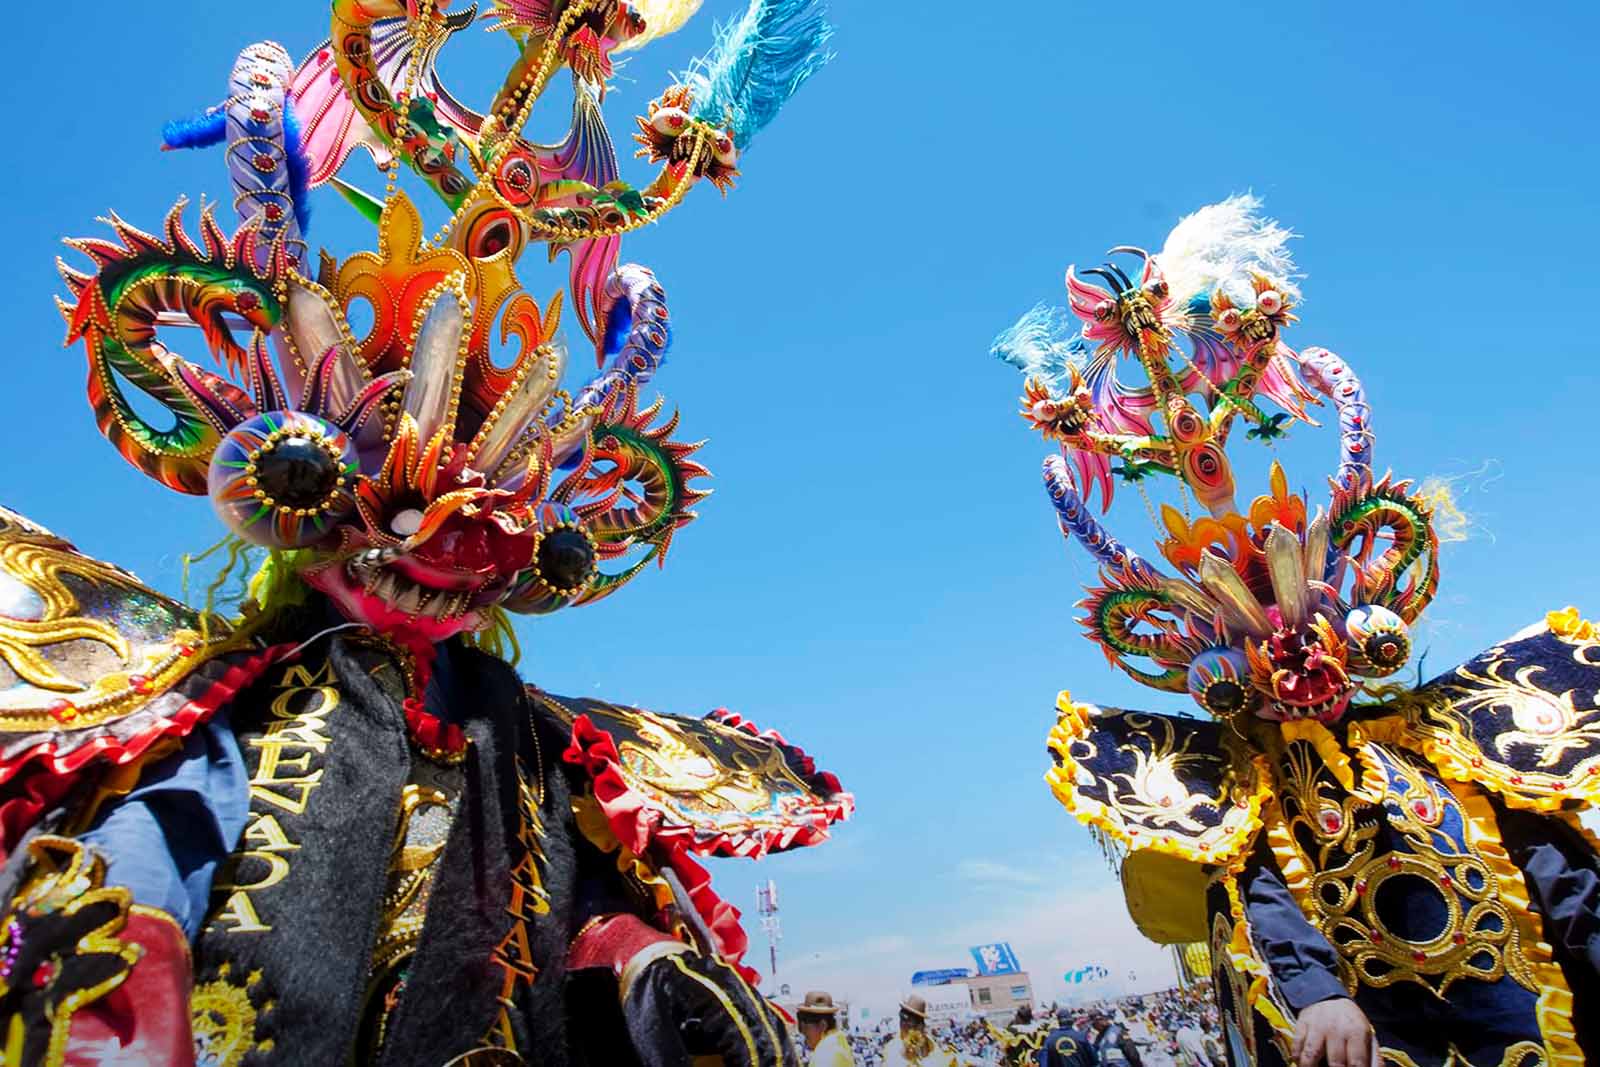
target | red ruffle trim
[
  {"x": 647, "y": 834},
  {"x": 50, "y": 777}
]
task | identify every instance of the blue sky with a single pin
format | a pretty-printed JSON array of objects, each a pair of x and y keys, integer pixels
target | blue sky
[{"x": 878, "y": 573}]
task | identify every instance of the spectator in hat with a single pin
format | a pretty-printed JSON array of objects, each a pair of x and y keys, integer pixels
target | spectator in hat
[
  {"x": 913, "y": 1047},
  {"x": 819, "y": 1026}
]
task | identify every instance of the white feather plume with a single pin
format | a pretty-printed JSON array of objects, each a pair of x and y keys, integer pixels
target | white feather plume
[
  {"x": 1219, "y": 246},
  {"x": 661, "y": 17}
]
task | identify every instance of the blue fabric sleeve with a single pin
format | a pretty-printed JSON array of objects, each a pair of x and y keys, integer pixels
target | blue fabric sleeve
[
  {"x": 1559, "y": 868},
  {"x": 166, "y": 838},
  {"x": 1304, "y": 964}
]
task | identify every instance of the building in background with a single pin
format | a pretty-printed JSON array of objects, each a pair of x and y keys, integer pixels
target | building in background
[{"x": 998, "y": 996}]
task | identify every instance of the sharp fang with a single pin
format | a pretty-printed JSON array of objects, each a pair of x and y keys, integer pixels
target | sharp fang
[{"x": 409, "y": 599}]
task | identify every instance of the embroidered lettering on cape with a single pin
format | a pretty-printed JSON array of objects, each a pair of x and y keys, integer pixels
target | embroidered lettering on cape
[
  {"x": 529, "y": 899},
  {"x": 286, "y": 772}
]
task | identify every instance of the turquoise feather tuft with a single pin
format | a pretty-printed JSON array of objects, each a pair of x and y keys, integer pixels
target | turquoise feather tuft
[
  {"x": 1043, "y": 344},
  {"x": 758, "y": 63}
]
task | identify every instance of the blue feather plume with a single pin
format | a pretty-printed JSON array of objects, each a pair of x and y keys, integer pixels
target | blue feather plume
[
  {"x": 758, "y": 63},
  {"x": 1043, "y": 344},
  {"x": 201, "y": 131},
  {"x": 299, "y": 170}
]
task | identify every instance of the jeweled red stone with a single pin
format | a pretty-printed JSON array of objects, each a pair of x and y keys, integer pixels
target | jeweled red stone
[
  {"x": 1420, "y": 956},
  {"x": 273, "y": 212},
  {"x": 263, "y": 162},
  {"x": 140, "y": 683}
]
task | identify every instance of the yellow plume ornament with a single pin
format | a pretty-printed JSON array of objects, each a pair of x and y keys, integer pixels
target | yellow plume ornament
[{"x": 661, "y": 17}]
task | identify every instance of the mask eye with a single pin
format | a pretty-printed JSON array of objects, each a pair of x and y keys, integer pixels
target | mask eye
[
  {"x": 1380, "y": 643},
  {"x": 565, "y": 559},
  {"x": 1228, "y": 321},
  {"x": 1269, "y": 302},
  {"x": 1157, "y": 289},
  {"x": 1217, "y": 681},
  {"x": 283, "y": 479},
  {"x": 669, "y": 121},
  {"x": 1104, "y": 310},
  {"x": 563, "y": 566}
]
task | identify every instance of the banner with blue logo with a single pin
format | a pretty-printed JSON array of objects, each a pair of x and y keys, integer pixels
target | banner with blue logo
[
  {"x": 996, "y": 959},
  {"x": 940, "y": 977}
]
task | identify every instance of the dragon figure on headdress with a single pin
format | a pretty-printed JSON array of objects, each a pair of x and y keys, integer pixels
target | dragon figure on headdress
[
  {"x": 1366, "y": 861},
  {"x": 338, "y": 828}
]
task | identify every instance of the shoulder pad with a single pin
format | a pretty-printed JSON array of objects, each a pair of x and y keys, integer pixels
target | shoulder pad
[
  {"x": 715, "y": 786},
  {"x": 1522, "y": 717},
  {"x": 95, "y": 665},
  {"x": 1157, "y": 782}
]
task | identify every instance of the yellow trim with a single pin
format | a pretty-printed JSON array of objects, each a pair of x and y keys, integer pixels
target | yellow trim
[
  {"x": 1392, "y": 730},
  {"x": 1297, "y": 873},
  {"x": 1228, "y": 844},
  {"x": 1569, "y": 624},
  {"x": 727, "y": 1005},
  {"x": 760, "y": 1003},
  {"x": 642, "y": 959},
  {"x": 594, "y": 826},
  {"x": 1242, "y": 957},
  {"x": 1555, "y": 997},
  {"x": 1453, "y": 761},
  {"x": 1335, "y": 757}
]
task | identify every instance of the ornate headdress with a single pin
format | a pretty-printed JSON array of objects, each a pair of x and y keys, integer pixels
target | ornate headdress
[
  {"x": 431, "y": 479},
  {"x": 1270, "y": 608}
]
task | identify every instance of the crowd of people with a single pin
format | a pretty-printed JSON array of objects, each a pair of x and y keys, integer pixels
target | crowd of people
[{"x": 1172, "y": 1028}]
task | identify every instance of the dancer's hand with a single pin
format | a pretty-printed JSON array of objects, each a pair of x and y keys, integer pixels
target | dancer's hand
[{"x": 1335, "y": 1032}]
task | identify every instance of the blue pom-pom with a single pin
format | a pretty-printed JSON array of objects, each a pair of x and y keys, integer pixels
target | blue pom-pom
[{"x": 202, "y": 131}]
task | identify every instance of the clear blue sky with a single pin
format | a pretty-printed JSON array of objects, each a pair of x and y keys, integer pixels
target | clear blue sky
[{"x": 878, "y": 574}]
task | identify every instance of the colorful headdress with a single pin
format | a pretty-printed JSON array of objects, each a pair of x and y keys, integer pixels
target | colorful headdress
[
  {"x": 1268, "y": 608},
  {"x": 429, "y": 474}
]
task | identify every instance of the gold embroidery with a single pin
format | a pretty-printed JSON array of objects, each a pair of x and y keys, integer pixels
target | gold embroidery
[
  {"x": 529, "y": 900},
  {"x": 1327, "y": 842},
  {"x": 224, "y": 1018},
  {"x": 707, "y": 774},
  {"x": 423, "y": 831},
  {"x": 425, "y": 816},
  {"x": 66, "y": 880},
  {"x": 1153, "y": 809},
  {"x": 283, "y": 778}
]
